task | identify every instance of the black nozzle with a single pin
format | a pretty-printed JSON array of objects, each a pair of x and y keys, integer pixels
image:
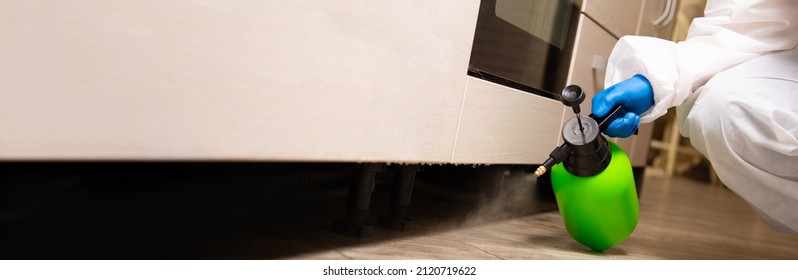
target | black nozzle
[
  {"x": 558, "y": 155},
  {"x": 573, "y": 96}
]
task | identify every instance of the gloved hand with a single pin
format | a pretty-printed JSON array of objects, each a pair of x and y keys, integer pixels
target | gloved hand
[{"x": 635, "y": 95}]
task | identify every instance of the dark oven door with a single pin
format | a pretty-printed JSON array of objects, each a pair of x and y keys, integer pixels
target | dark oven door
[{"x": 522, "y": 44}]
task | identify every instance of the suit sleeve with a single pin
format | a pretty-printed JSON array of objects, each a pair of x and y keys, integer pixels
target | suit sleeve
[{"x": 730, "y": 33}]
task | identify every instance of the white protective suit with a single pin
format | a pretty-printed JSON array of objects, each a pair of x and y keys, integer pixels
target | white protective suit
[{"x": 734, "y": 81}]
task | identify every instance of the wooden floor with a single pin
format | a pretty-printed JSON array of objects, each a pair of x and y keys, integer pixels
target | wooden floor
[
  {"x": 256, "y": 211},
  {"x": 680, "y": 219}
]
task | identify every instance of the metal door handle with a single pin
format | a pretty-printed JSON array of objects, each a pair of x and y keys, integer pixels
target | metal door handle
[{"x": 667, "y": 16}]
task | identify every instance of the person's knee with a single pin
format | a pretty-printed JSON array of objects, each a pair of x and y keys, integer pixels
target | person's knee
[{"x": 752, "y": 118}]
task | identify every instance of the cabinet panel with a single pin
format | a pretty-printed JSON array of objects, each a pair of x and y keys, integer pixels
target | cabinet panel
[
  {"x": 653, "y": 10},
  {"x": 592, "y": 48},
  {"x": 504, "y": 125},
  {"x": 620, "y": 17},
  {"x": 262, "y": 80}
]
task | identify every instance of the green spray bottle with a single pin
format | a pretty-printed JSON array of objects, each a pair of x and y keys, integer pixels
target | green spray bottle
[{"x": 592, "y": 179}]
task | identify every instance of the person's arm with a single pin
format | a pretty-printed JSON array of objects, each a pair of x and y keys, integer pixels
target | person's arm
[{"x": 731, "y": 32}]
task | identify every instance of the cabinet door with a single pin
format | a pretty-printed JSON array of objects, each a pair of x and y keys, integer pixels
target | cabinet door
[
  {"x": 236, "y": 80},
  {"x": 658, "y": 11},
  {"x": 620, "y": 17},
  {"x": 504, "y": 125},
  {"x": 592, "y": 47}
]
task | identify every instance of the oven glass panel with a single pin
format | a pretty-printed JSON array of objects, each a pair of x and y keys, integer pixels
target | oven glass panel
[{"x": 521, "y": 43}]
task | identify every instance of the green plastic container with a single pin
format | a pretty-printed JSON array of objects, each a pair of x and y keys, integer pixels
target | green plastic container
[{"x": 599, "y": 211}]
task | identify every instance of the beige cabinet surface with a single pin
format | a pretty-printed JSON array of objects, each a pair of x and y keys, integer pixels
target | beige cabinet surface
[
  {"x": 654, "y": 12},
  {"x": 592, "y": 48},
  {"x": 505, "y": 125},
  {"x": 263, "y": 80},
  {"x": 355, "y": 81},
  {"x": 619, "y": 17}
]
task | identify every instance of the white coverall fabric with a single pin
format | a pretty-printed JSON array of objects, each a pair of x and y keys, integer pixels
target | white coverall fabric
[
  {"x": 734, "y": 81},
  {"x": 745, "y": 121}
]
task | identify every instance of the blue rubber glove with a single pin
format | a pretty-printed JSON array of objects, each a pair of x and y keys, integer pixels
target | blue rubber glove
[{"x": 635, "y": 95}]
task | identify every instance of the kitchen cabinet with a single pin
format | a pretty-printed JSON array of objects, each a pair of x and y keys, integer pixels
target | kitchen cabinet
[
  {"x": 352, "y": 81},
  {"x": 340, "y": 81}
]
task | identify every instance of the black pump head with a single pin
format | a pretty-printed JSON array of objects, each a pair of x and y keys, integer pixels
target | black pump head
[
  {"x": 585, "y": 152},
  {"x": 590, "y": 153},
  {"x": 573, "y": 96}
]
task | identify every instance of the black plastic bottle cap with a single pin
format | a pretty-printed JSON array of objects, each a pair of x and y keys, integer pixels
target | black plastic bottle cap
[{"x": 590, "y": 152}]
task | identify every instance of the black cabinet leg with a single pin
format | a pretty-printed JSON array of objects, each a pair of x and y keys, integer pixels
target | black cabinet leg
[
  {"x": 357, "y": 203},
  {"x": 400, "y": 198}
]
